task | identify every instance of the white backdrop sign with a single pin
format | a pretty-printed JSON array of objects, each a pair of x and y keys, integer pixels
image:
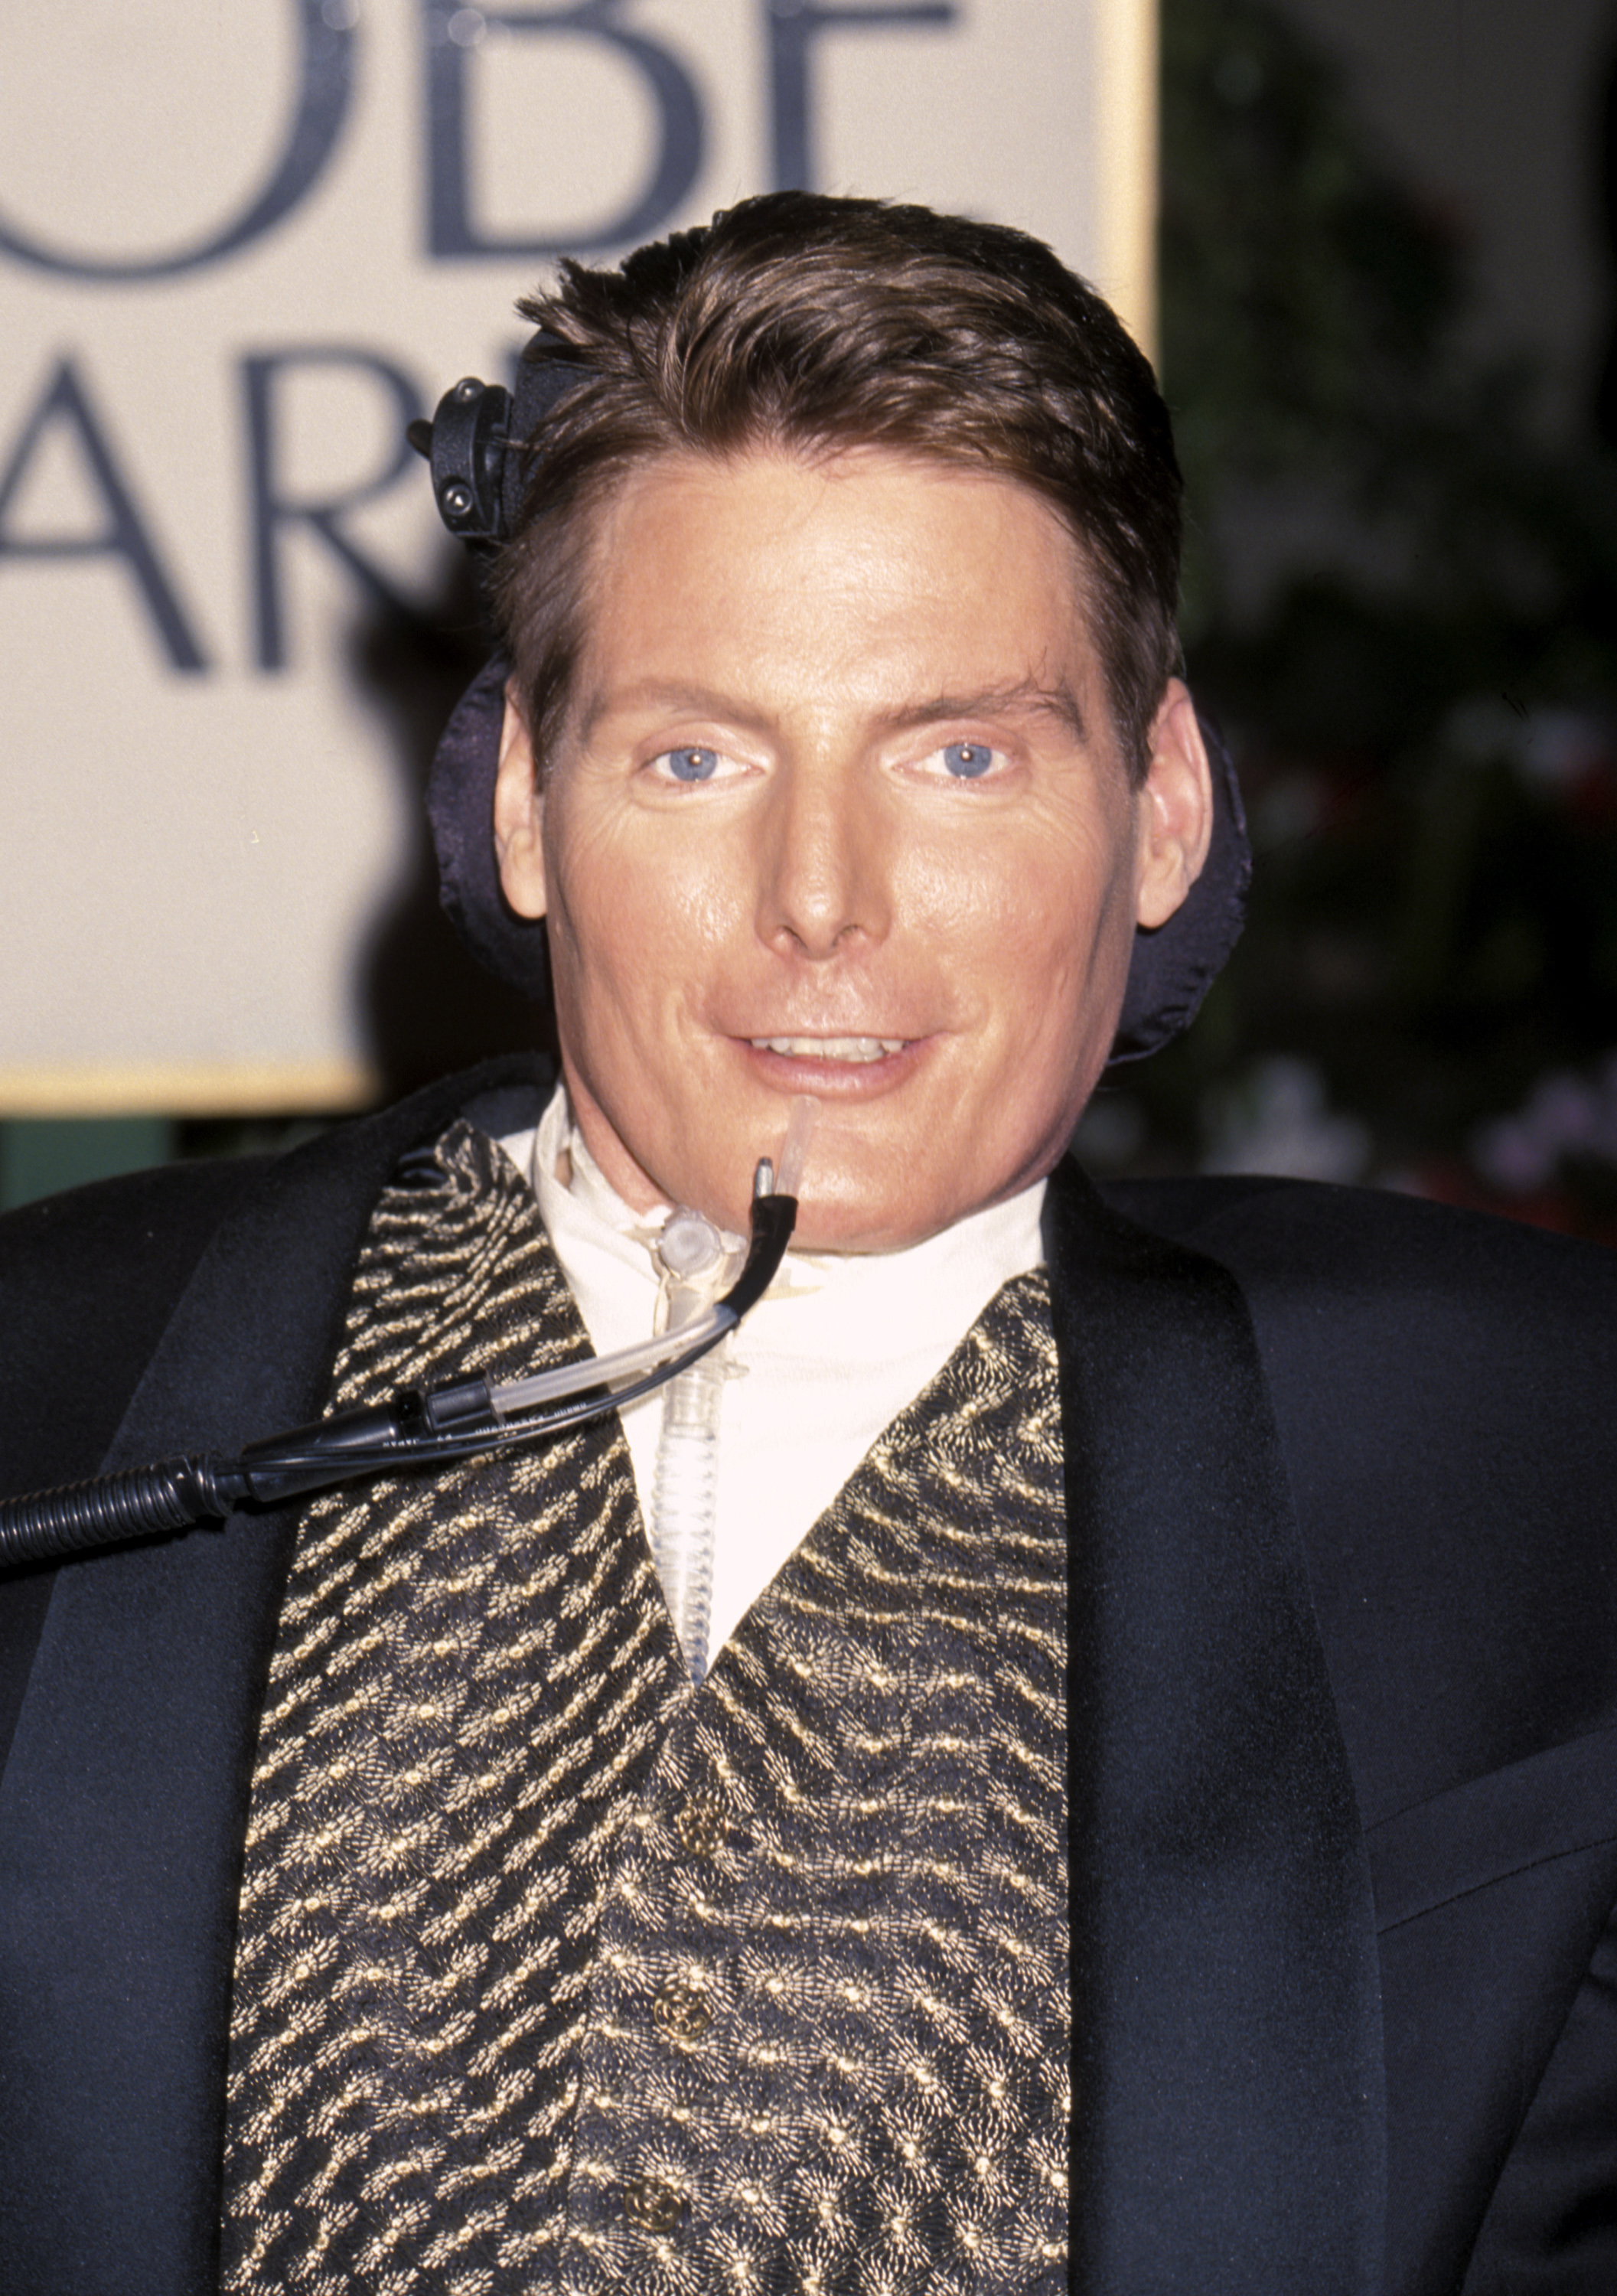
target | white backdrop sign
[{"x": 239, "y": 247}]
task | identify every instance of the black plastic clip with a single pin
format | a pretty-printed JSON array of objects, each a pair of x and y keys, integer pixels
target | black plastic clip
[{"x": 465, "y": 443}]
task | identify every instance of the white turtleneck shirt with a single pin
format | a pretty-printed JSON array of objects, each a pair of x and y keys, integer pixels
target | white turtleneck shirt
[{"x": 837, "y": 1347}]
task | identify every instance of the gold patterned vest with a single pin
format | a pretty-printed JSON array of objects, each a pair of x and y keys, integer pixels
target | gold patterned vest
[{"x": 555, "y": 1974}]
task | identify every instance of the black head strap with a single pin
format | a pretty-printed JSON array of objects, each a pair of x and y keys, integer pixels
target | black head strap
[{"x": 1173, "y": 968}]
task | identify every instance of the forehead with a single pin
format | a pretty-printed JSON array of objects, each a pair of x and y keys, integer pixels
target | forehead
[{"x": 865, "y": 572}]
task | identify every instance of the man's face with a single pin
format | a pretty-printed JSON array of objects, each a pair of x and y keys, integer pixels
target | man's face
[{"x": 838, "y": 809}]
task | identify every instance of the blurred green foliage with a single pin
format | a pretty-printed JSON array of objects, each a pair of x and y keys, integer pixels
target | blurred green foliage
[{"x": 1401, "y": 605}]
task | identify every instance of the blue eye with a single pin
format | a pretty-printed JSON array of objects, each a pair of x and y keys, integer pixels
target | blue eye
[
  {"x": 967, "y": 759},
  {"x": 696, "y": 765}
]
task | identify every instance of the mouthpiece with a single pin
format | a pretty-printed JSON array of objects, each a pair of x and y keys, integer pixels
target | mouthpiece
[{"x": 795, "y": 1148}]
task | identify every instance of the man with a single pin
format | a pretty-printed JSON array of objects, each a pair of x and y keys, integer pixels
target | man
[{"x": 391, "y": 1900}]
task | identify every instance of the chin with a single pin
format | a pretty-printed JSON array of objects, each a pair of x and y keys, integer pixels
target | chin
[{"x": 857, "y": 1223}]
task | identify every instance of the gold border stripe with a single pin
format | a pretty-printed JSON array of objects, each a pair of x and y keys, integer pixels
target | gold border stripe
[
  {"x": 189, "y": 1088},
  {"x": 1127, "y": 63}
]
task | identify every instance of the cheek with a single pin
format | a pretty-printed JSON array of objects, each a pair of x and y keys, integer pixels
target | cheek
[
  {"x": 588, "y": 873},
  {"x": 637, "y": 922},
  {"x": 1031, "y": 918}
]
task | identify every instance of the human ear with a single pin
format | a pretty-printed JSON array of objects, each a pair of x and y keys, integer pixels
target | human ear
[
  {"x": 1176, "y": 809},
  {"x": 518, "y": 817}
]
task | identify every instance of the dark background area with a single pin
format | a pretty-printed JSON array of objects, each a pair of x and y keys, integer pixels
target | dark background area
[
  {"x": 1388, "y": 306},
  {"x": 1388, "y": 285}
]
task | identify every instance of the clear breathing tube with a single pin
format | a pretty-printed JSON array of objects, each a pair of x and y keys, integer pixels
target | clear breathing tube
[
  {"x": 694, "y": 1257},
  {"x": 696, "y": 1260},
  {"x": 416, "y": 1429},
  {"x": 513, "y": 1398}
]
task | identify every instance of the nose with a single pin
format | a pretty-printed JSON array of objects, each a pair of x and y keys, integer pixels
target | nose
[{"x": 826, "y": 882}]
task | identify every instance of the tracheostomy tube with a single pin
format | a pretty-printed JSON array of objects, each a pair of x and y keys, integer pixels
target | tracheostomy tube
[{"x": 696, "y": 1260}]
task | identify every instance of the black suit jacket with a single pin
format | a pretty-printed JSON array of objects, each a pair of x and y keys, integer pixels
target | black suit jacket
[{"x": 1343, "y": 1697}]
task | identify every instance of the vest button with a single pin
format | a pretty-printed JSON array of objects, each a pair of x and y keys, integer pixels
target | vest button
[
  {"x": 682, "y": 2011},
  {"x": 699, "y": 1824},
  {"x": 653, "y": 2206}
]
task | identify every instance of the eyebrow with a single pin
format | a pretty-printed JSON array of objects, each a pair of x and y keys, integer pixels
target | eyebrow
[
  {"x": 1026, "y": 698},
  {"x": 664, "y": 693}
]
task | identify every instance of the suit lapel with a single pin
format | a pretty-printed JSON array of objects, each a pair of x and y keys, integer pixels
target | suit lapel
[
  {"x": 1229, "y": 2106},
  {"x": 125, "y": 1798}
]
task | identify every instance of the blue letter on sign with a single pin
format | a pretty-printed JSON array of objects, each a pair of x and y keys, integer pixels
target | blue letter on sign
[
  {"x": 272, "y": 510},
  {"x": 123, "y": 537},
  {"x": 450, "y": 228},
  {"x": 325, "y": 80},
  {"x": 792, "y": 24}
]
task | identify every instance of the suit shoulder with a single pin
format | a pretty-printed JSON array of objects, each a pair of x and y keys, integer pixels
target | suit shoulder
[
  {"x": 1288, "y": 1236},
  {"x": 88, "y": 1281},
  {"x": 1441, "y": 1387},
  {"x": 144, "y": 1231},
  {"x": 116, "y": 1225}
]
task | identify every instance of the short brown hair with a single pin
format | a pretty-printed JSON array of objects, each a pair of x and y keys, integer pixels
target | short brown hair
[{"x": 818, "y": 324}]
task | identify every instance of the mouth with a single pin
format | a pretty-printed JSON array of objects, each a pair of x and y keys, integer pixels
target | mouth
[{"x": 856, "y": 1052}]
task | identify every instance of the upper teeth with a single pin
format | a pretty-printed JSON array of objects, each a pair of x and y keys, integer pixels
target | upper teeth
[{"x": 829, "y": 1048}]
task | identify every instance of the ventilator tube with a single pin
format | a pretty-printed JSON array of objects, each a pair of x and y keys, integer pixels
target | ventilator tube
[{"x": 696, "y": 1260}]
